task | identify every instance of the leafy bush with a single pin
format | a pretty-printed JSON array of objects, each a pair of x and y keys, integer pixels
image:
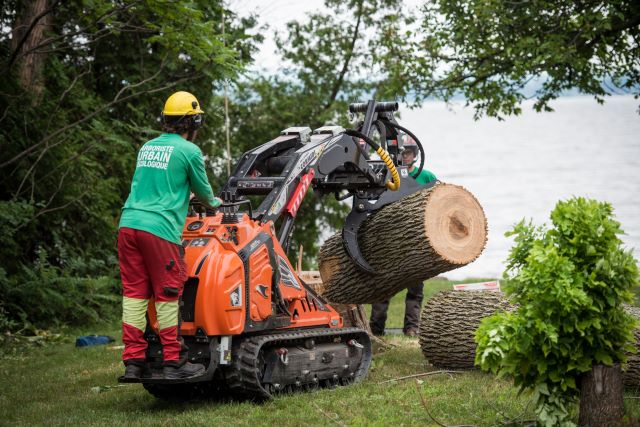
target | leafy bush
[
  {"x": 43, "y": 296},
  {"x": 569, "y": 283}
]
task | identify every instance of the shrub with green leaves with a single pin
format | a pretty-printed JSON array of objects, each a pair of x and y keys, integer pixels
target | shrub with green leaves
[{"x": 569, "y": 283}]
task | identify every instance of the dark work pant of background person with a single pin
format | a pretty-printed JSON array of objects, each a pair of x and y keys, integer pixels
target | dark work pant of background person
[{"x": 413, "y": 304}]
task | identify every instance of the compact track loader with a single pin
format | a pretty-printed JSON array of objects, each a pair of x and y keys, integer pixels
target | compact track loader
[{"x": 245, "y": 314}]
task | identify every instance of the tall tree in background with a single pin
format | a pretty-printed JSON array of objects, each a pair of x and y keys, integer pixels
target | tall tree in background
[
  {"x": 83, "y": 84},
  {"x": 489, "y": 51}
]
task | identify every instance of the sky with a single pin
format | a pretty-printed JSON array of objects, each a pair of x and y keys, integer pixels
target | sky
[{"x": 276, "y": 14}]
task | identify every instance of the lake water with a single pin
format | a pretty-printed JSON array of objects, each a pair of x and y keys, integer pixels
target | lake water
[{"x": 521, "y": 167}]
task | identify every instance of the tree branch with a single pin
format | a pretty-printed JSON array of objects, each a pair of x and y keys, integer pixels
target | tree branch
[
  {"x": 345, "y": 66},
  {"x": 424, "y": 405},
  {"x": 118, "y": 100},
  {"x": 52, "y": 40}
]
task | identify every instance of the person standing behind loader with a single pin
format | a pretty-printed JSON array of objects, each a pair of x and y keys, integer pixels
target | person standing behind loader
[
  {"x": 149, "y": 246},
  {"x": 415, "y": 294}
]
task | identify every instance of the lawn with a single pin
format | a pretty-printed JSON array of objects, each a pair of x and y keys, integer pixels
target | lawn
[{"x": 57, "y": 384}]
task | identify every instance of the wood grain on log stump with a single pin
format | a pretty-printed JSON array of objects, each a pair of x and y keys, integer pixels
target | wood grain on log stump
[
  {"x": 449, "y": 322},
  {"x": 601, "y": 402},
  {"x": 425, "y": 234}
]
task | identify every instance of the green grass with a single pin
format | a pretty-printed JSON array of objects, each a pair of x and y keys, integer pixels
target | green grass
[{"x": 57, "y": 384}]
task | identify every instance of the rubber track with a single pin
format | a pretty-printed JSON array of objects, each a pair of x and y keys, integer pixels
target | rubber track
[{"x": 242, "y": 377}]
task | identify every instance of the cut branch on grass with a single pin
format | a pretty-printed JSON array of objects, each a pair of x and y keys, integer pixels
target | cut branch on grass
[
  {"x": 512, "y": 421},
  {"x": 424, "y": 374},
  {"x": 329, "y": 416},
  {"x": 424, "y": 405},
  {"x": 382, "y": 343}
]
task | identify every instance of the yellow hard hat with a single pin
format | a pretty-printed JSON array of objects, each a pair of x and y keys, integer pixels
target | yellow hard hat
[{"x": 181, "y": 104}]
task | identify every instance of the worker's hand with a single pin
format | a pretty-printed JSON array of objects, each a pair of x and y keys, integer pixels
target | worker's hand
[{"x": 216, "y": 202}]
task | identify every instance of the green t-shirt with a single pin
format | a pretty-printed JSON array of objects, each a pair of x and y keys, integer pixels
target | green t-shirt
[
  {"x": 424, "y": 177},
  {"x": 167, "y": 168}
]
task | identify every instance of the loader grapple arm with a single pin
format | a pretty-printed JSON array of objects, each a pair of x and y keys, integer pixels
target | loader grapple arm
[{"x": 333, "y": 163}]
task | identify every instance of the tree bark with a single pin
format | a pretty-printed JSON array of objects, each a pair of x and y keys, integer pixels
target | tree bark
[
  {"x": 631, "y": 376},
  {"x": 352, "y": 314},
  {"x": 449, "y": 322},
  {"x": 601, "y": 402},
  {"x": 425, "y": 234},
  {"x": 27, "y": 33}
]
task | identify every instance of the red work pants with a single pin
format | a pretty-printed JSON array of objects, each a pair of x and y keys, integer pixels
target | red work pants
[{"x": 150, "y": 267}]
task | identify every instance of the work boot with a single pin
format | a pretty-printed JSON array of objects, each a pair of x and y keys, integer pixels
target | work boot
[
  {"x": 132, "y": 372},
  {"x": 412, "y": 332},
  {"x": 185, "y": 371}
]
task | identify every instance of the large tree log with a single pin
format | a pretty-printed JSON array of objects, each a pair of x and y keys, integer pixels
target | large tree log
[
  {"x": 425, "y": 234},
  {"x": 449, "y": 322},
  {"x": 352, "y": 314}
]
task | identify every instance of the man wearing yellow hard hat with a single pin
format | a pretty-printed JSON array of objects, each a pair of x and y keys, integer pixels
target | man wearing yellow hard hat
[{"x": 168, "y": 168}]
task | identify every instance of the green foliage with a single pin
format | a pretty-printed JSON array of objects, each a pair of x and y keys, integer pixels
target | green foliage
[
  {"x": 43, "y": 294},
  {"x": 69, "y": 136},
  {"x": 569, "y": 283},
  {"x": 489, "y": 51}
]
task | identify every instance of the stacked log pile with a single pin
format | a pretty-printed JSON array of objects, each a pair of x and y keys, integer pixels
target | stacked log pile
[{"x": 422, "y": 235}]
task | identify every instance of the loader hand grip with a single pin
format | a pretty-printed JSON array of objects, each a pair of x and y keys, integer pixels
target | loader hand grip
[{"x": 361, "y": 107}]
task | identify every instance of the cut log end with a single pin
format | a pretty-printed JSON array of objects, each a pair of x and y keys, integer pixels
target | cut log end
[
  {"x": 455, "y": 224},
  {"x": 427, "y": 233}
]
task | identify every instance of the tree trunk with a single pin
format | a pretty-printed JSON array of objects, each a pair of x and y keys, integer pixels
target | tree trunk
[
  {"x": 449, "y": 322},
  {"x": 352, "y": 314},
  {"x": 28, "y": 32},
  {"x": 601, "y": 402},
  {"x": 631, "y": 376},
  {"x": 425, "y": 234}
]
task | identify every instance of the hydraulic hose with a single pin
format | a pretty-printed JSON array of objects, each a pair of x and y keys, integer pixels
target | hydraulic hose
[
  {"x": 415, "y": 138},
  {"x": 392, "y": 185}
]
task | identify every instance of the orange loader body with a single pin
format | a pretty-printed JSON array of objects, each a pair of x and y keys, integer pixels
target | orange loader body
[{"x": 218, "y": 272}]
